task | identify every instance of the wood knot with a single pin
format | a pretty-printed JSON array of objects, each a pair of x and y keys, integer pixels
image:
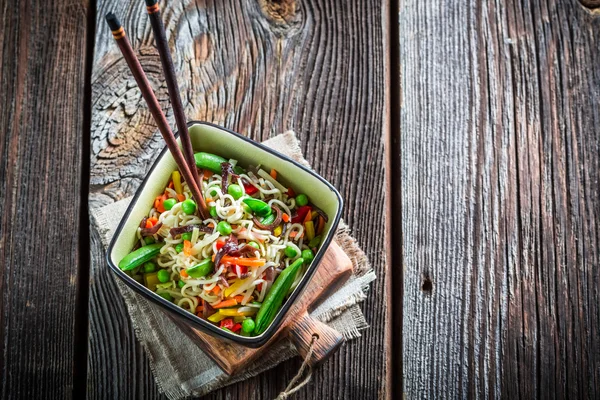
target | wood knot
[
  {"x": 426, "y": 284},
  {"x": 279, "y": 12},
  {"x": 591, "y": 4},
  {"x": 124, "y": 135}
]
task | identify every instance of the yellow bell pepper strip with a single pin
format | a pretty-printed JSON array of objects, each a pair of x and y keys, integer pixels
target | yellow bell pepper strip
[
  {"x": 233, "y": 287},
  {"x": 151, "y": 280},
  {"x": 177, "y": 182},
  {"x": 234, "y": 312},
  {"x": 277, "y": 231},
  {"x": 310, "y": 229},
  {"x": 217, "y": 317}
]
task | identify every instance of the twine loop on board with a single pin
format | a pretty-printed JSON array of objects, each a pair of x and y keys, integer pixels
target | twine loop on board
[{"x": 291, "y": 389}]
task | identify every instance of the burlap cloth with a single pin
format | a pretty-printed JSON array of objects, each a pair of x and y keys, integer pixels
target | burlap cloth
[{"x": 193, "y": 373}]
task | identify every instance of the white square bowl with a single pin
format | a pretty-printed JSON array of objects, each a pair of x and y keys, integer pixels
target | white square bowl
[{"x": 230, "y": 145}]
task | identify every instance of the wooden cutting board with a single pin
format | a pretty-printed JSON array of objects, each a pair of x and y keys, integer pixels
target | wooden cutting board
[{"x": 335, "y": 268}]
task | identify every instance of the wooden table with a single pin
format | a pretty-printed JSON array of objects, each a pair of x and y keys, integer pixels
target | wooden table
[{"x": 464, "y": 136}]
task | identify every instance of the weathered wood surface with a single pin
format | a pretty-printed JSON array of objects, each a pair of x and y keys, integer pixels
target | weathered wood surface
[
  {"x": 41, "y": 120},
  {"x": 500, "y": 166},
  {"x": 260, "y": 68}
]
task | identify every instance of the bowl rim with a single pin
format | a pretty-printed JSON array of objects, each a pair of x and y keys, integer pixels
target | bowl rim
[{"x": 195, "y": 321}]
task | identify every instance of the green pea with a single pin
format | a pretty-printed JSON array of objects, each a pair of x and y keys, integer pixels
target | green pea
[
  {"x": 213, "y": 192},
  {"x": 149, "y": 239},
  {"x": 179, "y": 248},
  {"x": 213, "y": 212},
  {"x": 248, "y": 325},
  {"x": 186, "y": 236},
  {"x": 169, "y": 203},
  {"x": 235, "y": 191},
  {"x": 149, "y": 267},
  {"x": 290, "y": 252},
  {"x": 188, "y": 206},
  {"x": 301, "y": 200},
  {"x": 224, "y": 228},
  {"x": 164, "y": 276},
  {"x": 308, "y": 255},
  {"x": 180, "y": 284},
  {"x": 255, "y": 245},
  {"x": 166, "y": 296}
]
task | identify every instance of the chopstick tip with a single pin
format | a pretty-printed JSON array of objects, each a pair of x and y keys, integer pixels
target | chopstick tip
[{"x": 113, "y": 21}]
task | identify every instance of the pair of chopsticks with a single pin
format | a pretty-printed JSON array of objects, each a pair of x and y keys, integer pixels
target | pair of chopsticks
[{"x": 186, "y": 164}]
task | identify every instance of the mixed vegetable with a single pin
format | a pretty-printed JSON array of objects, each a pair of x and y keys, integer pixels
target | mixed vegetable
[{"x": 236, "y": 268}]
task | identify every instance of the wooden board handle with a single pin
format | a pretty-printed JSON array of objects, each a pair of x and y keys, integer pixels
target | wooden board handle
[{"x": 301, "y": 332}]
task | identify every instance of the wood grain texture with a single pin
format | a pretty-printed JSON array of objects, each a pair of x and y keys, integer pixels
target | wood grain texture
[
  {"x": 260, "y": 68},
  {"x": 500, "y": 199},
  {"x": 41, "y": 120}
]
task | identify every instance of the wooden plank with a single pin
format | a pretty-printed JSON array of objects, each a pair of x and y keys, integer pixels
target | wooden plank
[
  {"x": 259, "y": 68},
  {"x": 42, "y": 78},
  {"x": 500, "y": 199}
]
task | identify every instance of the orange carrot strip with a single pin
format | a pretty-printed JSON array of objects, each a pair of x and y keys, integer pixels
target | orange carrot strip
[
  {"x": 170, "y": 185},
  {"x": 240, "y": 297},
  {"x": 308, "y": 217},
  {"x": 226, "y": 303},
  {"x": 183, "y": 273},
  {"x": 187, "y": 247},
  {"x": 180, "y": 197},
  {"x": 199, "y": 308},
  {"x": 321, "y": 225},
  {"x": 273, "y": 174},
  {"x": 285, "y": 217},
  {"x": 246, "y": 262},
  {"x": 295, "y": 233},
  {"x": 150, "y": 222},
  {"x": 207, "y": 173},
  {"x": 158, "y": 203},
  {"x": 216, "y": 289}
]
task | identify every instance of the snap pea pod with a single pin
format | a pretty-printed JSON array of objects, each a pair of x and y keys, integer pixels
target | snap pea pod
[
  {"x": 268, "y": 220},
  {"x": 258, "y": 207},
  {"x": 274, "y": 299},
  {"x": 201, "y": 269},
  {"x": 211, "y": 162},
  {"x": 140, "y": 256}
]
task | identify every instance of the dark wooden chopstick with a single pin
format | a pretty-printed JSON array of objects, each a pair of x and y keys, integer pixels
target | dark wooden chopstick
[
  {"x": 163, "y": 125},
  {"x": 171, "y": 78}
]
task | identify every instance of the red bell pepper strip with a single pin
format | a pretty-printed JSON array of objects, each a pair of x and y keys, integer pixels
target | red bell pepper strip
[
  {"x": 250, "y": 189},
  {"x": 236, "y": 328},
  {"x": 301, "y": 214},
  {"x": 227, "y": 323}
]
